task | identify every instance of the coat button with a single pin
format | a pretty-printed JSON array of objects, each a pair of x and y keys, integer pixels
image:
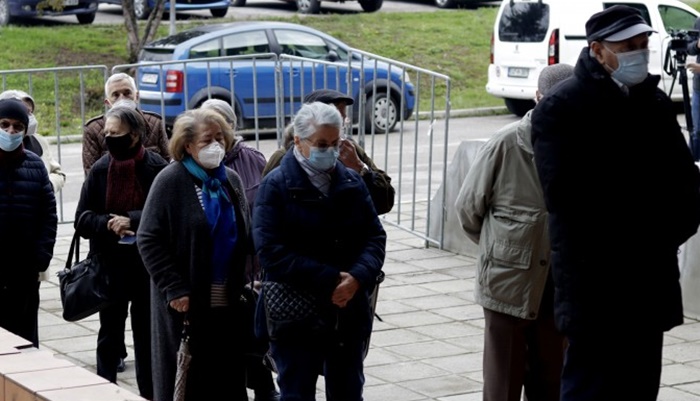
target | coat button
[{"x": 543, "y": 262}]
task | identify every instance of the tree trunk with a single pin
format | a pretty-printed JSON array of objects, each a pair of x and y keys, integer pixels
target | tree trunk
[{"x": 136, "y": 41}]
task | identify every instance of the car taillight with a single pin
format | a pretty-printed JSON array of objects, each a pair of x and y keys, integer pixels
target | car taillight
[
  {"x": 491, "y": 55},
  {"x": 553, "y": 48},
  {"x": 173, "y": 81}
]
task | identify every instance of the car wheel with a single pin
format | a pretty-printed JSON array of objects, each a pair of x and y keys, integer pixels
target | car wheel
[
  {"x": 519, "y": 106},
  {"x": 238, "y": 3},
  {"x": 370, "y": 6},
  {"x": 4, "y": 12},
  {"x": 142, "y": 9},
  {"x": 219, "y": 12},
  {"x": 309, "y": 6},
  {"x": 382, "y": 112},
  {"x": 85, "y": 19},
  {"x": 446, "y": 3}
]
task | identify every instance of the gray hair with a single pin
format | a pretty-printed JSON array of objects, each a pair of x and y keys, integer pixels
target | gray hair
[
  {"x": 552, "y": 75},
  {"x": 120, "y": 76},
  {"x": 223, "y": 108},
  {"x": 131, "y": 117},
  {"x": 311, "y": 116}
]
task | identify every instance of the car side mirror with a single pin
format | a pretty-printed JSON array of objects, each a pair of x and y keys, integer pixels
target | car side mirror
[{"x": 332, "y": 55}]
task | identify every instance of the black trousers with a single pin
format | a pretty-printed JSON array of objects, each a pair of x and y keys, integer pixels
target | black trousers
[
  {"x": 20, "y": 312},
  {"x": 110, "y": 338},
  {"x": 619, "y": 365}
]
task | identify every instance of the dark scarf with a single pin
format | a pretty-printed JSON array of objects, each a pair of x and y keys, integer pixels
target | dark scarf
[
  {"x": 220, "y": 215},
  {"x": 13, "y": 158},
  {"x": 124, "y": 192}
]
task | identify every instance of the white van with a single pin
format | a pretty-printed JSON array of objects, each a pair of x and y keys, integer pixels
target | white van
[{"x": 531, "y": 34}]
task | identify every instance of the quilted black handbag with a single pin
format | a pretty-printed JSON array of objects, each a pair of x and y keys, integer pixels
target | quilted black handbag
[
  {"x": 289, "y": 311},
  {"x": 84, "y": 284}
]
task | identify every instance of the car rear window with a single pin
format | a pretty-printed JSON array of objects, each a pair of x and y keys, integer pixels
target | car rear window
[
  {"x": 156, "y": 54},
  {"x": 523, "y": 22}
]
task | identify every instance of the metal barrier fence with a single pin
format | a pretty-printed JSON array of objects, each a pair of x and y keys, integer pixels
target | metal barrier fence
[
  {"x": 400, "y": 116},
  {"x": 65, "y": 96}
]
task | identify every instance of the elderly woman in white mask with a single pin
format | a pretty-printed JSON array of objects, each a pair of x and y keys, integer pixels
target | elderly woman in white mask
[{"x": 194, "y": 239}]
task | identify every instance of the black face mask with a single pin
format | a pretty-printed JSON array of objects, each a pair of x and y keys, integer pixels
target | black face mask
[{"x": 120, "y": 146}]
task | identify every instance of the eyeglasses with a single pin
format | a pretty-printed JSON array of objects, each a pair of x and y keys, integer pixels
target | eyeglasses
[
  {"x": 323, "y": 147},
  {"x": 17, "y": 126}
]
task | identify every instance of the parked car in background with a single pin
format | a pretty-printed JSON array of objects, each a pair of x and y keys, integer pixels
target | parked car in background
[
  {"x": 257, "y": 84},
  {"x": 531, "y": 34},
  {"x": 84, "y": 10},
  {"x": 314, "y": 6},
  {"x": 143, "y": 8}
]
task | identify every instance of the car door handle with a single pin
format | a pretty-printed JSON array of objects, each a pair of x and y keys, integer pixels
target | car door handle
[{"x": 295, "y": 72}]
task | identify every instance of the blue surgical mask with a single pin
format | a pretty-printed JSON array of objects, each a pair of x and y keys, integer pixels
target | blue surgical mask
[
  {"x": 323, "y": 159},
  {"x": 632, "y": 67},
  {"x": 10, "y": 142}
]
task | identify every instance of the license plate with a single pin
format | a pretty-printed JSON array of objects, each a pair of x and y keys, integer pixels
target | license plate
[
  {"x": 516, "y": 72},
  {"x": 70, "y": 2},
  {"x": 149, "y": 78}
]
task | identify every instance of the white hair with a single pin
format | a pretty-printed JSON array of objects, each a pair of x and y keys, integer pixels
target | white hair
[
  {"x": 223, "y": 108},
  {"x": 120, "y": 76},
  {"x": 311, "y": 116}
]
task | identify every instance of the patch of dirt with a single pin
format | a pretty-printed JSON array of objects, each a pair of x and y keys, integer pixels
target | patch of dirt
[{"x": 67, "y": 57}]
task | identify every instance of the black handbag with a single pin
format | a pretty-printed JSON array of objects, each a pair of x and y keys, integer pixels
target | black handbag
[
  {"x": 84, "y": 284},
  {"x": 289, "y": 311}
]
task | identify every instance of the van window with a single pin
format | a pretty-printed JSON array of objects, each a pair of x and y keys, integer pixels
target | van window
[
  {"x": 524, "y": 22},
  {"x": 675, "y": 18}
]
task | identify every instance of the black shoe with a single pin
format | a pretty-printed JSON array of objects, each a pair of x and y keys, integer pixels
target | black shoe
[
  {"x": 121, "y": 367},
  {"x": 271, "y": 395}
]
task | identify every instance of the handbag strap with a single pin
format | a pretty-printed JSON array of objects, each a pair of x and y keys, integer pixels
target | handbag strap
[{"x": 75, "y": 244}]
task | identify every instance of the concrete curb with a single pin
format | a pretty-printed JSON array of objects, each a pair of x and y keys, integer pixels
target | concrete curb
[{"x": 422, "y": 115}]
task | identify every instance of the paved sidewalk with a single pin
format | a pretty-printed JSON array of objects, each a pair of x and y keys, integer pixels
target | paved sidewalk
[{"x": 428, "y": 346}]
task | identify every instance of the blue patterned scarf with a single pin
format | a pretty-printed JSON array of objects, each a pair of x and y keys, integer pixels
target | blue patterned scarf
[{"x": 220, "y": 215}]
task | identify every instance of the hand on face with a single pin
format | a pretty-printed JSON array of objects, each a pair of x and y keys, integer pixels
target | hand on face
[{"x": 348, "y": 155}]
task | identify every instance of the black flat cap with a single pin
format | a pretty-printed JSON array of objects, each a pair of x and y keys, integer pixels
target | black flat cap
[
  {"x": 328, "y": 96},
  {"x": 13, "y": 108},
  {"x": 615, "y": 24}
]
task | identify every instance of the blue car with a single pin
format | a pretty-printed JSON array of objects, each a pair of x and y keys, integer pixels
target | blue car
[
  {"x": 84, "y": 10},
  {"x": 142, "y": 8},
  {"x": 261, "y": 87}
]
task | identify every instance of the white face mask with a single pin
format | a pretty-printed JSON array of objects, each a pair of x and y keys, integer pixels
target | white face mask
[
  {"x": 33, "y": 124},
  {"x": 211, "y": 155}
]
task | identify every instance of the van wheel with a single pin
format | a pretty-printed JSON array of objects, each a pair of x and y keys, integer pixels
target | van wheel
[
  {"x": 4, "y": 12},
  {"x": 519, "y": 106},
  {"x": 309, "y": 6}
]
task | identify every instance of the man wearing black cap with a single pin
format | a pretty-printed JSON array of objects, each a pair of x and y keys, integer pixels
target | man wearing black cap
[
  {"x": 28, "y": 223},
  {"x": 351, "y": 153},
  {"x": 622, "y": 193}
]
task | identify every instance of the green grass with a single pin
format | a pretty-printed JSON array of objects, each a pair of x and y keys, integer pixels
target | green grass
[{"x": 451, "y": 42}]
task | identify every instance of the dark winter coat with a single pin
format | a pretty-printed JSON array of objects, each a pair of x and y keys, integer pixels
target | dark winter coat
[
  {"x": 176, "y": 246},
  {"x": 28, "y": 218},
  {"x": 622, "y": 193},
  {"x": 307, "y": 239},
  {"x": 93, "y": 225}
]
